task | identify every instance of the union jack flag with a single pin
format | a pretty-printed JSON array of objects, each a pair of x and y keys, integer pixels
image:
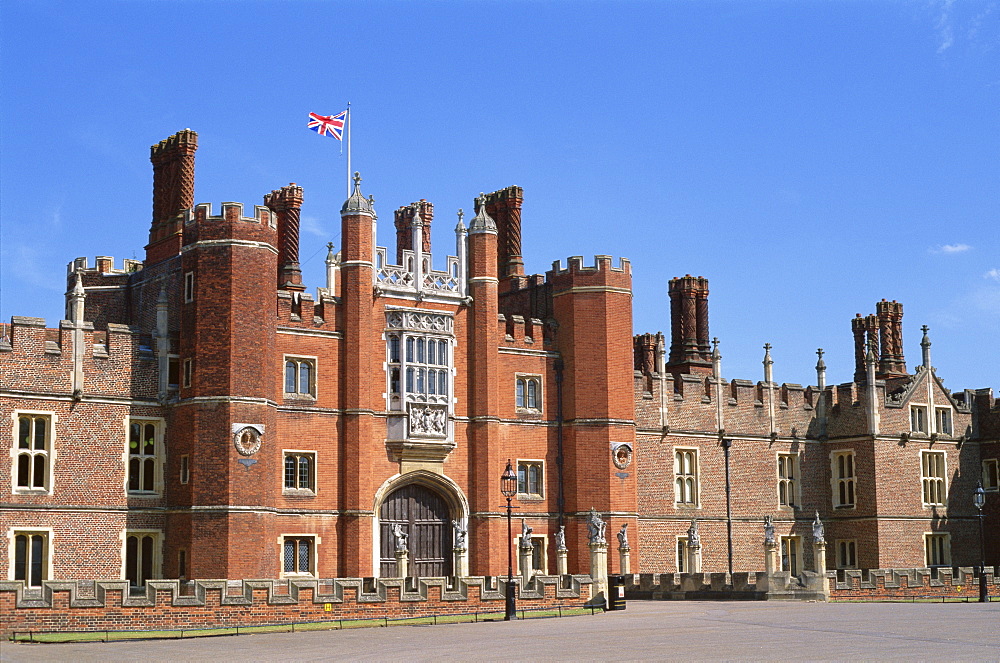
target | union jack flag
[{"x": 328, "y": 125}]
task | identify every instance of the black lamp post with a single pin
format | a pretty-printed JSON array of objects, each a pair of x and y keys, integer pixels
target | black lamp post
[
  {"x": 508, "y": 486},
  {"x": 979, "y": 499}
]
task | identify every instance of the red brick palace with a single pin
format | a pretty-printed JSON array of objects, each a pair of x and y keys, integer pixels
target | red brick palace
[{"x": 200, "y": 415}]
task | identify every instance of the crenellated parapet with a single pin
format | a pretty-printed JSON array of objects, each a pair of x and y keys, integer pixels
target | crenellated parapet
[
  {"x": 202, "y": 227},
  {"x": 603, "y": 275},
  {"x": 516, "y": 331}
]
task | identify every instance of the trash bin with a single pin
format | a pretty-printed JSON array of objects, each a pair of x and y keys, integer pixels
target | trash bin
[{"x": 616, "y": 590}]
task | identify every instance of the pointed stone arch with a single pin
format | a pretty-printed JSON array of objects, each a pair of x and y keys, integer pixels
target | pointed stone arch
[{"x": 424, "y": 503}]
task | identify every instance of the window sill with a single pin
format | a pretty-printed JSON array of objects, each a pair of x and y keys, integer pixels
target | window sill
[
  {"x": 298, "y": 492},
  {"x": 295, "y": 396},
  {"x": 845, "y": 507},
  {"x": 32, "y": 491},
  {"x": 530, "y": 497},
  {"x": 143, "y": 493}
]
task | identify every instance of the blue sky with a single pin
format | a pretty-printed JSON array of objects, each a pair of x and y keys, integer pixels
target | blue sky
[{"x": 808, "y": 158}]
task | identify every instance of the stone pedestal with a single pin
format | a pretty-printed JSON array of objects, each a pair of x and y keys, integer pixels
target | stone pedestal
[
  {"x": 524, "y": 559},
  {"x": 694, "y": 559},
  {"x": 402, "y": 563},
  {"x": 770, "y": 558},
  {"x": 562, "y": 565},
  {"x": 599, "y": 573},
  {"x": 824, "y": 586},
  {"x": 461, "y": 562},
  {"x": 624, "y": 560}
]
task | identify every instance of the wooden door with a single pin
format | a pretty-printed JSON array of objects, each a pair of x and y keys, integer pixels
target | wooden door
[{"x": 423, "y": 515}]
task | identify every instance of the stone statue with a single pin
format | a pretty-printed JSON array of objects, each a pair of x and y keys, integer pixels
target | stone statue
[
  {"x": 561, "y": 538},
  {"x": 694, "y": 539},
  {"x": 623, "y": 537},
  {"x": 818, "y": 530},
  {"x": 401, "y": 536},
  {"x": 526, "y": 535},
  {"x": 768, "y": 531},
  {"x": 461, "y": 532},
  {"x": 595, "y": 528}
]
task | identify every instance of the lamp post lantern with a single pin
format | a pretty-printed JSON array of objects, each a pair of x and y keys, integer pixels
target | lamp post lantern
[
  {"x": 979, "y": 499},
  {"x": 508, "y": 487}
]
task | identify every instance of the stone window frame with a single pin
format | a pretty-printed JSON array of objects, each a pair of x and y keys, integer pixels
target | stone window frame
[
  {"x": 157, "y": 458},
  {"x": 529, "y": 463},
  {"x": 183, "y": 563},
  {"x": 681, "y": 551},
  {"x": 849, "y": 483},
  {"x": 184, "y": 473},
  {"x": 48, "y": 453},
  {"x": 937, "y": 544},
  {"x": 792, "y": 484},
  {"x": 48, "y": 537},
  {"x": 314, "y": 542},
  {"x": 991, "y": 477},
  {"x": 944, "y": 421},
  {"x": 187, "y": 373},
  {"x": 297, "y": 489},
  {"x": 539, "y": 555},
  {"x": 155, "y": 563},
  {"x": 188, "y": 287},
  {"x": 524, "y": 400},
  {"x": 692, "y": 479},
  {"x": 846, "y": 548},
  {"x": 933, "y": 487},
  {"x": 918, "y": 418},
  {"x": 299, "y": 361},
  {"x": 790, "y": 553}
]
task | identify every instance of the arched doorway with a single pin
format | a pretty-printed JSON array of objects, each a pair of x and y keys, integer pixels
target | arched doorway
[{"x": 425, "y": 517}]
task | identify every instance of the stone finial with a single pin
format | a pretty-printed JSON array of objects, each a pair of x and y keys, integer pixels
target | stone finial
[
  {"x": 925, "y": 347},
  {"x": 768, "y": 364},
  {"x": 526, "y": 534},
  {"x": 820, "y": 370},
  {"x": 331, "y": 258},
  {"x": 769, "y": 531},
  {"x": 482, "y": 222},
  {"x": 357, "y": 203},
  {"x": 460, "y": 228}
]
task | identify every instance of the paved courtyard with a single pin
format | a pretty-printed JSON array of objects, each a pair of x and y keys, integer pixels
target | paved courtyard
[{"x": 646, "y": 630}]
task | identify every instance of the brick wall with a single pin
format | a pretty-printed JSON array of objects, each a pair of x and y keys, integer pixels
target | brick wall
[{"x": 168, "y": 605}]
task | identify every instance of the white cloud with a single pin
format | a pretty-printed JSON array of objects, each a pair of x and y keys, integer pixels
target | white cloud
[
  {"x": 946, "y": 34},
  {"x": 951, "y": 248},
  {"x": 993, "y": 274},
  {"x": 313, "y": 226}
]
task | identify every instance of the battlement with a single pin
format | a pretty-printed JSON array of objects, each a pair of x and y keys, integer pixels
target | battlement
[
  {"x": 518, "y": 331},
  {"x": 602, "y": 263},
  {"x": 104, "y": 265},
  {"x": 231, "y": 223}
]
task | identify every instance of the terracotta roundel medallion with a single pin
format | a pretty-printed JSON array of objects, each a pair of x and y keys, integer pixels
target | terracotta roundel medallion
[
  {"x": 622, "y": 456},
  {"x": 247, "y": 440}
]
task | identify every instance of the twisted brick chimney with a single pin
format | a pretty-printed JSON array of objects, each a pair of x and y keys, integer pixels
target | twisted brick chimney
[
  {"x": 404, "y": 227},
  {"x": 883, "y": 333},
  {"x": 286, "y": 203},
  {"x": 173, "y": 192},
  {"x": 690, "y": 348},
  {"x": 505, "y": 208}
]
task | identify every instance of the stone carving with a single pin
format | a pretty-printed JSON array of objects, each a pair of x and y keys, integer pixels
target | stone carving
[
  {"x": 818, "y": 530},
  {"x": 428, "y": 420},
  {"x": 694, "y": 539},
  {"x": 401, "y": 537},
  {"x": 768, "y": 531},
  {"x": 419, "y": 320},
  {"x": 623, "y": 537},
  {"x": 526, "y": 535},
  {"x": 595, "y": 528},
  {"x": 461, "y": 532},
  {"x": 560, "y": 537}
]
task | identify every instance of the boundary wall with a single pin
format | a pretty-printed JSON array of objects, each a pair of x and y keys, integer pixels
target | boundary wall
[
  {"x": 170, "y": 604},
  {"x": 843, "y": 585}
]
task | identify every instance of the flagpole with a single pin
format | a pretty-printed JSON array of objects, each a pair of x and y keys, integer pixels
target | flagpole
[{"x": 348, "y": 149}]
